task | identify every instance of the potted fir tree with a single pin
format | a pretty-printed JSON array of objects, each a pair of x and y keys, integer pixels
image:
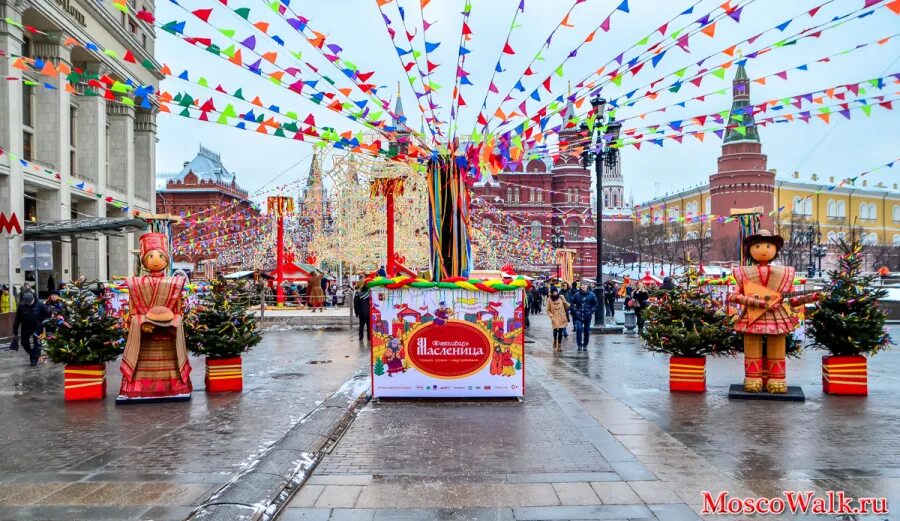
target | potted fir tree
[
  {"x": 688, "y": 324},
  {"x": 84, "y": 336},
  {"x": 849, "y": 324},
  {"x": 221, "y": 328}
]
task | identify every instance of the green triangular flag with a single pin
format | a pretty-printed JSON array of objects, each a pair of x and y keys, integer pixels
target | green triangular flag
[
  {"x": 559, "y": 71},
  {"x": 291, "y": 114},
  {"x": 680, "y": 73},
  {"x": 202, "y": 82},
  {"x": 186, "y": 113},
  {"x": 222, "y": 120},
  {"x": 867, "y": 110},
  {"x": 617, "y": 80},
  {"x": 243, "y": 12},
  {"x": 229, "y": 33},
  {"x": 719, "y": 73},
  {"x": 239, "y": 94},
  {"x": 644, "y": 41}
]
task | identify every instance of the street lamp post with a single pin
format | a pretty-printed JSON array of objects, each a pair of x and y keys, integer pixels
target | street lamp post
[
  {"x": 558, "y": 241},
  {"x": 599, "y": 153}
]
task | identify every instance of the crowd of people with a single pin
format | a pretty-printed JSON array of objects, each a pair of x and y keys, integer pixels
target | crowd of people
[{"x": 580, "y": 304}]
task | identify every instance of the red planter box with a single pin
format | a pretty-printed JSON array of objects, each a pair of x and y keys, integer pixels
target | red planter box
[
  {"x": 845, "y": 375},
  {"x": 224, "y": 375},
  {"x": 687, "y": 374},
  {"x": 85, "y": 382}
]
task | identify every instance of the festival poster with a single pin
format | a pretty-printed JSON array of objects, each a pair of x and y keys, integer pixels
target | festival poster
[{"x": 444, "y": 343}]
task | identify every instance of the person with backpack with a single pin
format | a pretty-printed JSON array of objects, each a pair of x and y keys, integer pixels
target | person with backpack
[{"x": 28, "y": 324}]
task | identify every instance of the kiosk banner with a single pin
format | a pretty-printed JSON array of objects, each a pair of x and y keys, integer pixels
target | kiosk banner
[{"x": 441, "y": 343}]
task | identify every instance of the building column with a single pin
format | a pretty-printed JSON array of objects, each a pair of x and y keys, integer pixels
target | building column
[
  {"x": 52, "y": 145},
  {"x": 145, "y": 166},
  {"x": 121, "y": 179},
  {"x": 91, "y": 156},
  {"x": 11, "y": 180}
]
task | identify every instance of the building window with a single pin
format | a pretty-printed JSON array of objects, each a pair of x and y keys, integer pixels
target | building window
[
  {"x": 73, "y": 120},
  {"x": 73, "y": 163},
  {"x": 841, "y": 209},
  {"x": 896, "y": 213},
  {"x": 535, "y": 229},
  {"x": 27, "y": 145},
  {"x": 509, "y": 197},
  {"x": 573, "y": 230},
  {"x": 832, "y": 208},
  {"x": 708, "y": 205},
  {"x": 144, "y": 40},
  {"x": 896, "y": 241},
  {"x": 132, "y": 26},
  {"x": 870, "y": 239},
  {"x": 28, "y": 105}
]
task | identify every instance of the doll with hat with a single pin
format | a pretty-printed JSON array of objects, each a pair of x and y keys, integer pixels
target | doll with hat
[
  {"x": 761, "y": 289},
  {"x": 155, "y": 363}
]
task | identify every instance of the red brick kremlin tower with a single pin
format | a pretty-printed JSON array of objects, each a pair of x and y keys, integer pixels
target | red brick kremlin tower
[{"x": 741, "y": 180}]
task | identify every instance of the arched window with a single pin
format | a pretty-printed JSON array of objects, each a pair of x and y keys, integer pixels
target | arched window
[
  {"x": 896, "y": 213},
  {"x": 708, "y": 205},
  {"x": 509, "y": 196},
  {"x": 518, "y": 194},
  {"x": 841, "y": 209},
  {"x": 807, "y": 206},
  {"x": 532, "y": 196},
  {"x": 870, "y": 239},
  {"x": 832, "y": 237},
  {"x": 574, "y": 230},
  {"x": 535, "y": 229},
  {"x": 896, "y": 241},
  {"x": 797, "y": 207},
  {"x": 832, "y": 208},
  {"x": 873, "y": 211}
]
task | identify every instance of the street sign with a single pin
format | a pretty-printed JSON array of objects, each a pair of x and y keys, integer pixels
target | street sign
[{"x": 36, "y": 255}]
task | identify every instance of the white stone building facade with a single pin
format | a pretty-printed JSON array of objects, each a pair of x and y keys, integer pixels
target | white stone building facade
[{"x": 108, "y": 146}]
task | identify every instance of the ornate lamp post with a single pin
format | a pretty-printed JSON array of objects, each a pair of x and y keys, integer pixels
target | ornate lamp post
[
  {"x": 599, "y": 153},
  {"x": 558, "y": 241}
]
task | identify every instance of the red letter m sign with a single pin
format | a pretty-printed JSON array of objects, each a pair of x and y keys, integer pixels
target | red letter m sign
[{"x": 10, "y": 226}]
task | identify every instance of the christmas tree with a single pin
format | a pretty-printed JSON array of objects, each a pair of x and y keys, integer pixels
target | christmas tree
[
  {"x": 82, "y": 332},
  {"x": 848, "y": 321},
  {"x": 220, "y": 326},
  {"x": 687, "y": 321},
  {"x": 379, "y": 367}
]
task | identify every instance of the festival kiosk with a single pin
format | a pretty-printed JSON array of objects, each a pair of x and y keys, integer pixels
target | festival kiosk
[{"x": 455, "y": 336}]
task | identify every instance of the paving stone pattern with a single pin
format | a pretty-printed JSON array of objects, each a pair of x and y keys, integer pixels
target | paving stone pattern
[{"x": 96, "y": 460}]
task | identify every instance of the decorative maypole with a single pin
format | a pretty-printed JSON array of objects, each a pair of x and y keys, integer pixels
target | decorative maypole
[
  {"x": 448, "y": 218},
  {"x": 279, "y": 206},
  {"x": 388, "y": 187}
]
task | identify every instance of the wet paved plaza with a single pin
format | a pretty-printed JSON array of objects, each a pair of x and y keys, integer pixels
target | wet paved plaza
[
  {"x": 599, "y": 436},
  {"x": 96, "y": 460}
]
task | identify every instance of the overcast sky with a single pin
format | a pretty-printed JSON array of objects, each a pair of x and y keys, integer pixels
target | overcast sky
[{"x": 841, "y": 149}]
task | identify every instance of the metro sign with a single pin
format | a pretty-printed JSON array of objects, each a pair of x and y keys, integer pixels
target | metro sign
[{"x": 10, "y": 225}]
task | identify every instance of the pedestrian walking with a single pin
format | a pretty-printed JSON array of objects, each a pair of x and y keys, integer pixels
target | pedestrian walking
[
  {"x": 609, "y": 297},
  {"x": 584, "y": 304},
  {"x": 640, "y": 299},
  {"x": 28, "y": 324},
  {"x": 566, "y": 292},
  {"x": 558, "y": 311},
  {"x": 362, "y": 302}
]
